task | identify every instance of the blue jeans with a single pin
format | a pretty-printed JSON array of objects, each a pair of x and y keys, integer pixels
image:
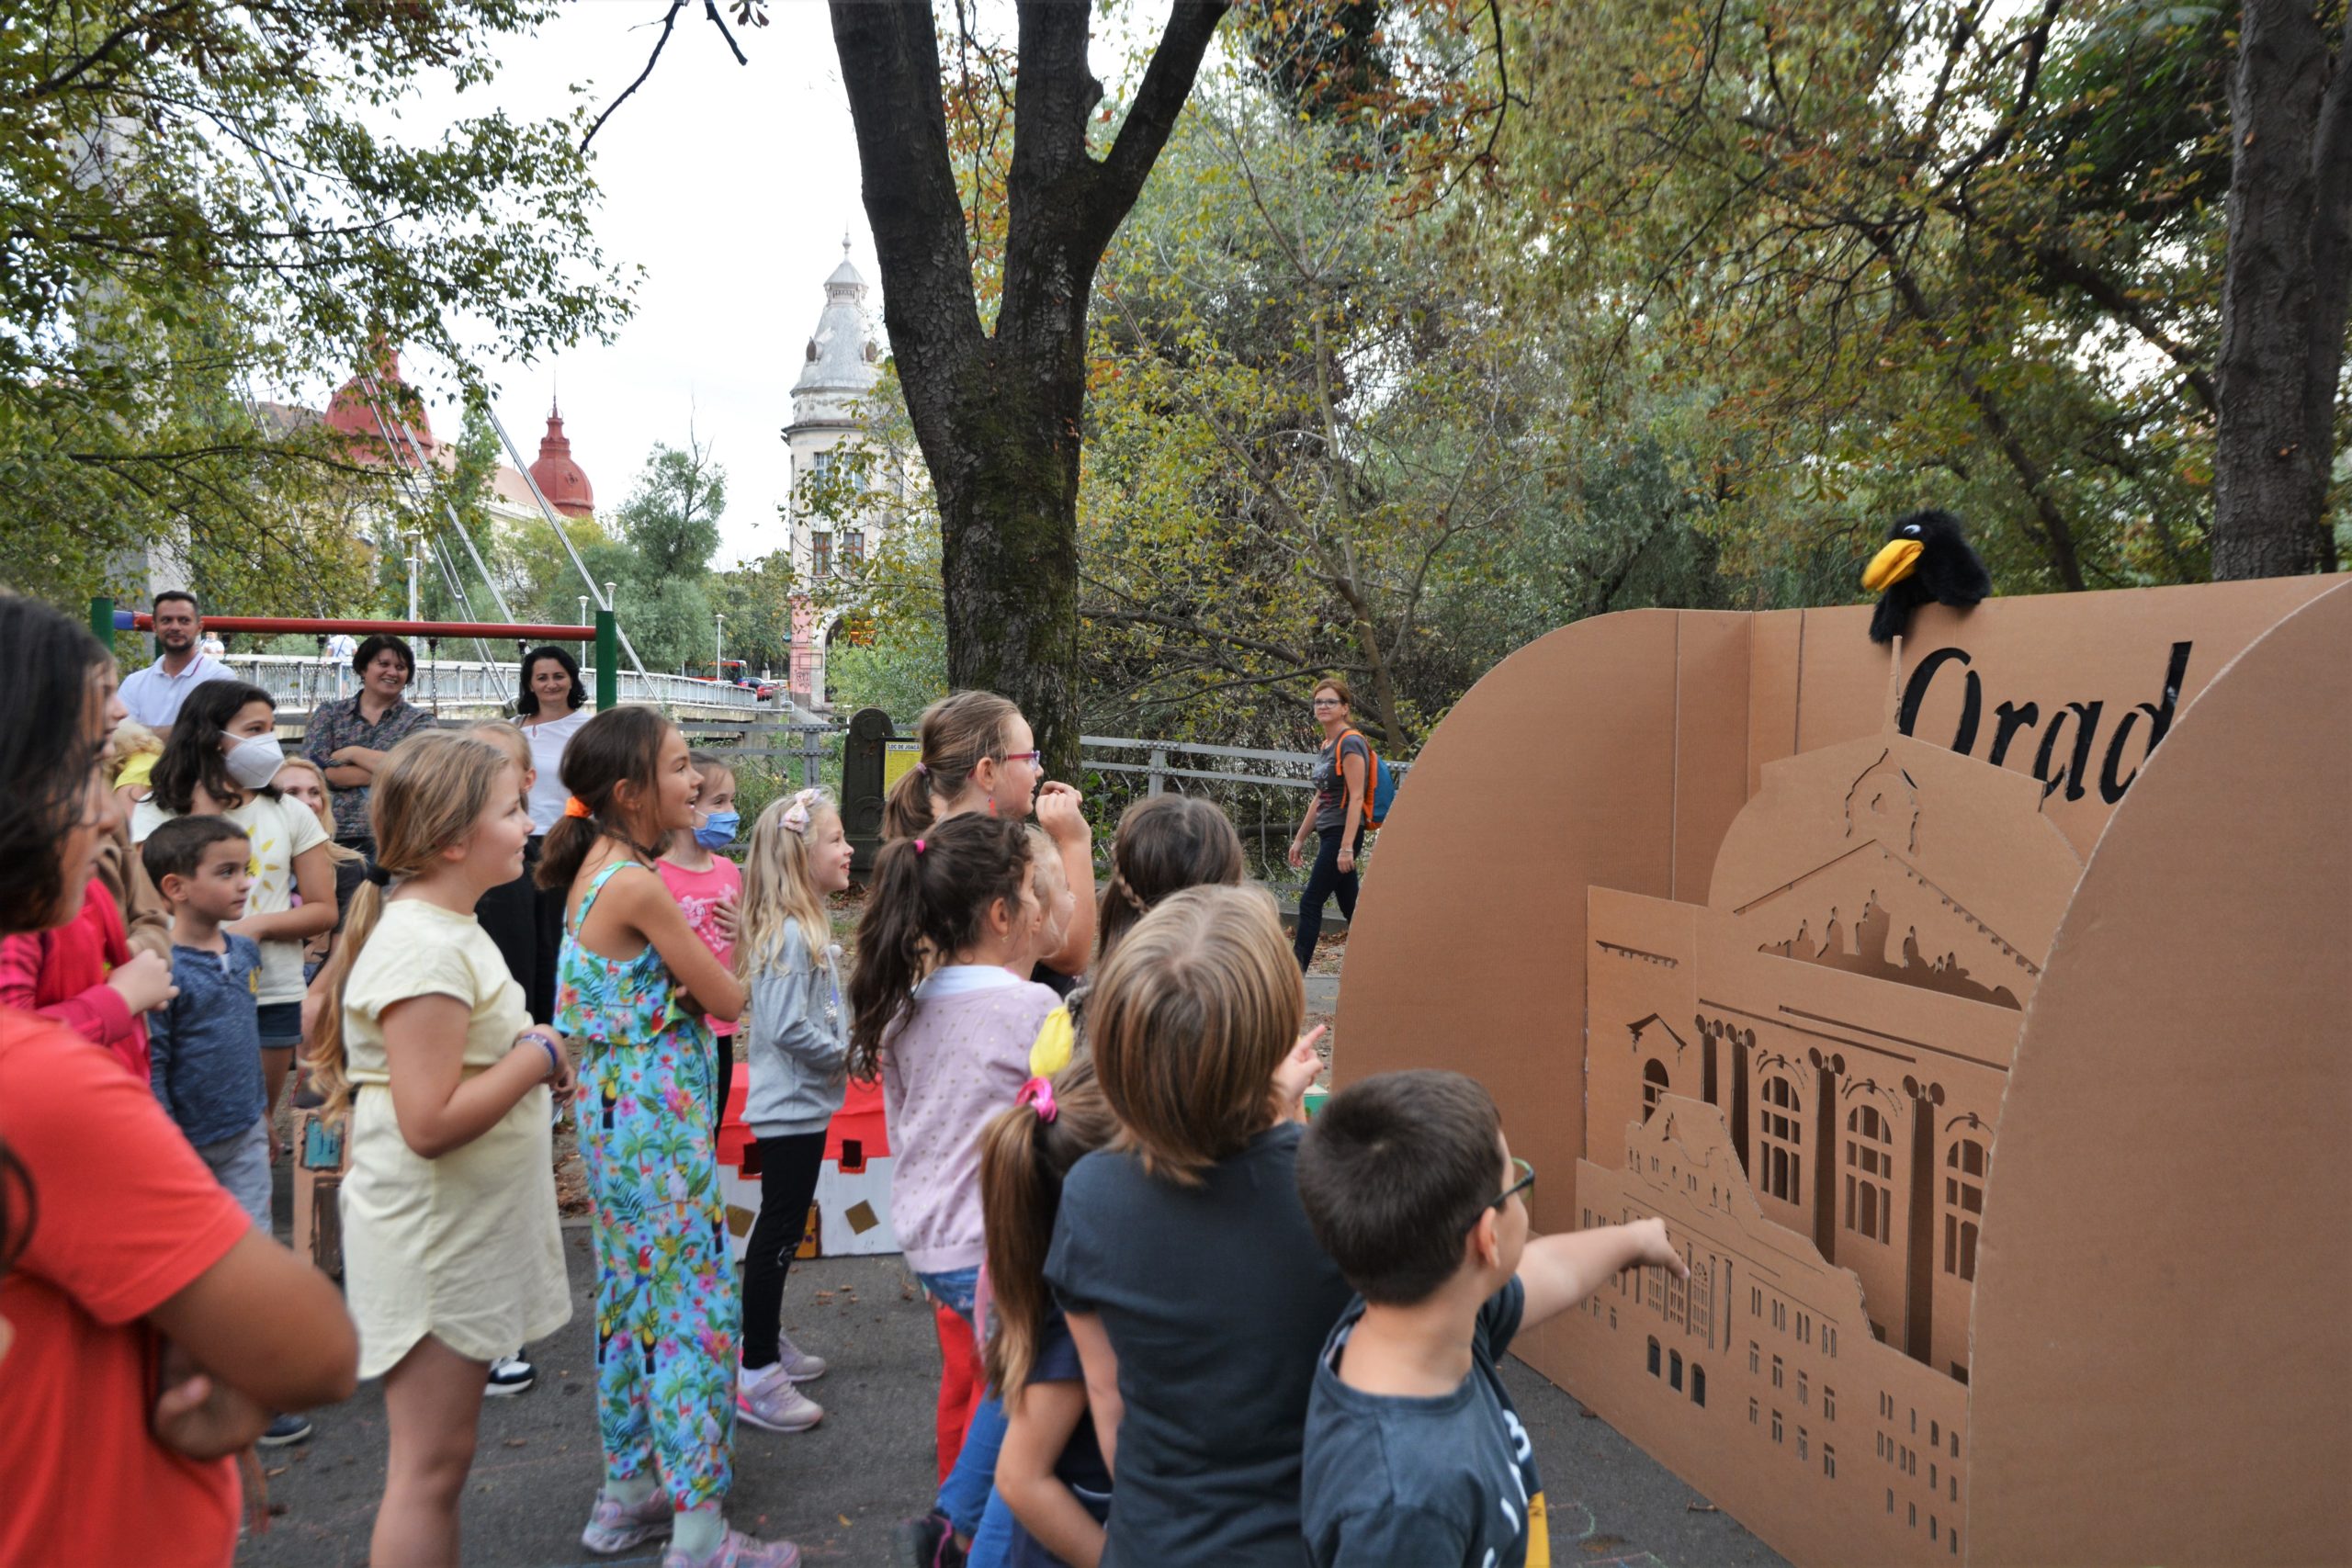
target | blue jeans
[
  {"x": 969, "y": 1490},
  {"x": 969, "y": 1495},
  {"x": 1324, "y": 882}
]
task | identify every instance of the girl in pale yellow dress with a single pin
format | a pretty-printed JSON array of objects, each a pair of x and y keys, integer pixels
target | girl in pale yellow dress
[{"x": 451, "y": 1252}]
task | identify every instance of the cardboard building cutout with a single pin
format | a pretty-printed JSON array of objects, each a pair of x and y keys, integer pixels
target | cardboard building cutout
[
  {"x": 849, "y": 1216},
  {"x": 1741, "y": 938}
]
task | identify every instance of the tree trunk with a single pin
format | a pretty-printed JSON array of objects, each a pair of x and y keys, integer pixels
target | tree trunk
[
  {"x": 2284, "y": 292},
  {"x": 997, "y": 415}
]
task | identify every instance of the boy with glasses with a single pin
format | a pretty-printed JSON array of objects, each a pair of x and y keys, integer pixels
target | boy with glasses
[{"x": 1414, "y": 1454}]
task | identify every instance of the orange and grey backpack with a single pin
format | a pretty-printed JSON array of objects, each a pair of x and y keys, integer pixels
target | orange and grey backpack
[{"x": 1382, "y": 793}]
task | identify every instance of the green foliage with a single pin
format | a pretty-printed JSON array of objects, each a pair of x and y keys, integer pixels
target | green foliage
[
  {"x": 902, "y": 671},
  {"x": 198, "y": 202}
]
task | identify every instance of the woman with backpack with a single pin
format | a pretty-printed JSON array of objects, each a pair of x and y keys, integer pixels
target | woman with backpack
[{"x": 1343, "y": 767}]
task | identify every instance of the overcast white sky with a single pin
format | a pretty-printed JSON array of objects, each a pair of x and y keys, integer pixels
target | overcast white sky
[{"x": 731, "y": 185}]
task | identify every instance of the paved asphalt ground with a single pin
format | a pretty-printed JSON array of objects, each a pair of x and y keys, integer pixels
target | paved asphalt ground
[{"x": 836, "y": 1489}]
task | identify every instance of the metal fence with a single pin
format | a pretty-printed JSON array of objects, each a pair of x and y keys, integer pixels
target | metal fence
[{"x": 298, "y": 683}]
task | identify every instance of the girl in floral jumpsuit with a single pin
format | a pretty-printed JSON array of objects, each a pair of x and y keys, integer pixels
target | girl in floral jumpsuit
[{"x": 667, "y": 1313}]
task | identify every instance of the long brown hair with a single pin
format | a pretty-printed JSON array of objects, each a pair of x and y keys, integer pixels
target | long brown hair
[
  {"x": 1188, "y": 1021},
  {"x": 1024, "y": 1158},
  {"x": 192, "y": 753},
  {"x": 958, "y": 733},
  {"x": 928, "y": 900},
  {"x": 620, "y": 745},
  {"x": 432, "y": 790},
  {"x": 1165, "y": 845},
  {"x": 49, "y": 746}
]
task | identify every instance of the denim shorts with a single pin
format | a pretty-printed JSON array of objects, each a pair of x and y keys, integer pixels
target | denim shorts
[
  {"x": 281, "y": 1025},
  {"x": 952, "y": 1288}
]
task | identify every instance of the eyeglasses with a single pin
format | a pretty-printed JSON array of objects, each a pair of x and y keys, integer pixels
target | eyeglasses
[
  {"x": 1327, "y": 702},
  {"x": 1035, "y": 759},
  {"x": 1526, "y": 1179}
]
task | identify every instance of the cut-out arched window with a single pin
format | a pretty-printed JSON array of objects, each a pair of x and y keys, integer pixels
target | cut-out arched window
[
  {"x": 1780, "y": 1123},
  {"x": 1870, "y": 1172},
  {"x": 1653, "y": 1084},
  {"x": 1963, "y": 1206}
]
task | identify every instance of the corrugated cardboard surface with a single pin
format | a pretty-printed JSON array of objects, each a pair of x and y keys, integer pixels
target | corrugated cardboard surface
[
  {"x": 1589, "y": 757},
  {"x": 1466, "y": 950},
  {"x": 2164, "y": 1319},
  {"x": 1616, "y": 755}
]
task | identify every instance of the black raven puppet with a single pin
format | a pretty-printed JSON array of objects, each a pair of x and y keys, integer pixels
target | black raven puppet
[{"x": 1926, "y": 557}]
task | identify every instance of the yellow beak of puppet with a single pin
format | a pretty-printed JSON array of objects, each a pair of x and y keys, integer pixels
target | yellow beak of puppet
[{"x": 1891, "y": 565}]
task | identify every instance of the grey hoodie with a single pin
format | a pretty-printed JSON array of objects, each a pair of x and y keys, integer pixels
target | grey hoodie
[{"x": 799, "y": 1040}]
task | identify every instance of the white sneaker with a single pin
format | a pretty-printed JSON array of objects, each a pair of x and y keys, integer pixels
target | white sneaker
[
  {"x": 767, "y": 1399},
  {"x": 797, "y": 1364},
  {"x": 510, "y": 1375}
]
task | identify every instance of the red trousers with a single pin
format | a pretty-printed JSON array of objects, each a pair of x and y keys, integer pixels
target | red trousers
[{"x": 961, "y": 1381}]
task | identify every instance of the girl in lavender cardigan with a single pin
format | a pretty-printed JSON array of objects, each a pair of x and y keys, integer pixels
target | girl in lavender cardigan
[{"x": 936, "y": 1013}]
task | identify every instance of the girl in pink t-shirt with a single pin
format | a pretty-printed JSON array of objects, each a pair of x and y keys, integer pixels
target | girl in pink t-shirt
[{"x": 708, "y": 887}]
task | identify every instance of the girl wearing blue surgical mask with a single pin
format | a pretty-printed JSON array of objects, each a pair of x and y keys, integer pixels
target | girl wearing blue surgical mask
[
  {"x": 221, "y": 761},
  {"x": 708, "y": 887}
]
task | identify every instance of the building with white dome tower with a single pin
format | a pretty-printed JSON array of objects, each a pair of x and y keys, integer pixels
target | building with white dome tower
[{"x": 840, "y": 366}]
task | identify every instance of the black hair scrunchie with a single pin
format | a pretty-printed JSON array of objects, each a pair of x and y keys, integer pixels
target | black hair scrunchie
[{"x": 379, "y": 877}]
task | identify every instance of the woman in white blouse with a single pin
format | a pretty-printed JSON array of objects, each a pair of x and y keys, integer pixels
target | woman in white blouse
[{"x": 551, "y": 710}]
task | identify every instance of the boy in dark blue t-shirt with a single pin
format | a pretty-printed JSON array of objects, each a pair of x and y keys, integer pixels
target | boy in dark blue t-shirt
[
  {"x": 204, "y": 1045},
  {"x": 1414, "y": 1454}
]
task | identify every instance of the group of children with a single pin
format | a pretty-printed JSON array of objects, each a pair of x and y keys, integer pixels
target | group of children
[{"x": 1280, "y": 1340}]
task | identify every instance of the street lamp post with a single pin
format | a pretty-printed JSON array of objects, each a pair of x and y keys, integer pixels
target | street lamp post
[
  {"x": 719, "y": 664},
  {"x": 413, "y": 535}
]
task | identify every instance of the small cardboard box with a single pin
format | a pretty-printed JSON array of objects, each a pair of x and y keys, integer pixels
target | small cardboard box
[{"x": 321, "y": 1154}]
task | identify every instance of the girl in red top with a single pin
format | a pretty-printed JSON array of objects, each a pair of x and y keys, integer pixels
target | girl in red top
[{"x": 130, "y": 1270}]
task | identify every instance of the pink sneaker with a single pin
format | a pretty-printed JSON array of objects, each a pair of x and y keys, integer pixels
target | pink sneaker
[
  {"x": 739, "y": 1551},
  {"x": 616, "y": 1526},
  {"x": 797, "y": 1364},
  {"x": 768, "y": 1399}
]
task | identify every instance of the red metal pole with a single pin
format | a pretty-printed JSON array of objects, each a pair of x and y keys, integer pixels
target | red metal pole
[{"x": 143, "y": 621}]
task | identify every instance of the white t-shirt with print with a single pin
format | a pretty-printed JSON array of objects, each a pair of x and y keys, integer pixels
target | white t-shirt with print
[{"x": 279, "y": 831}]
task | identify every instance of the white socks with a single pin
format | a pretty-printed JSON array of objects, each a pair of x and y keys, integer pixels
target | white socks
[{"x": 699, "y": 1533}]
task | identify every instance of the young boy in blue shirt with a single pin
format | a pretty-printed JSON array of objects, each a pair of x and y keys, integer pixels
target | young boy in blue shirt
[
  {"x": 204, "y": 1045},
  {"x": 1414, "y": 1454}
]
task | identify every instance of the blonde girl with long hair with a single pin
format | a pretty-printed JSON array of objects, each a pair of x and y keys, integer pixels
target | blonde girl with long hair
[
  {"x": 799, "y": 1038},
  {"x": 451, "y": 1252},
  {"x": 302, "y": 782}
]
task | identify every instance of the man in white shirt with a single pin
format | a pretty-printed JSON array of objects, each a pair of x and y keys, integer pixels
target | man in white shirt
[
  {"x": 337, "y": 657},
  {"x": 154, "y": 695}
]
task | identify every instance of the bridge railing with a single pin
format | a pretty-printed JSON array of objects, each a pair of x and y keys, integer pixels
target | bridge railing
[{"x": 297, "y": 683}]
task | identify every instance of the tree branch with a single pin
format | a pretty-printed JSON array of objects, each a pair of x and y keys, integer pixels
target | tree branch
[
  {"x": 1151, "y": 119},
  {"x": 669, "y": 21},
  {"x": 889, "y": 56}
]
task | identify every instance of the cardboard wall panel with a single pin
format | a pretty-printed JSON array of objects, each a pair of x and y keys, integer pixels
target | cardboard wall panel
[
  {"x": 2164, "y": 1321},
  {"x": 1553, "y": 773},
  {"x": 1787, "y": 870},
  {"x": 1712, "y": 701},
  {"x": 1775, "y": 655}
]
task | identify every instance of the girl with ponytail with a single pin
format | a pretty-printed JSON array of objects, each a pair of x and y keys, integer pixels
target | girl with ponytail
[
  {"x": 1049, "y": 1473},
  {"x": 980, "y": 758},
  {"x": 938, "y": 1013},
  {"x": 451, "y": 1252},
  {"x": 634, "y": 985}
]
